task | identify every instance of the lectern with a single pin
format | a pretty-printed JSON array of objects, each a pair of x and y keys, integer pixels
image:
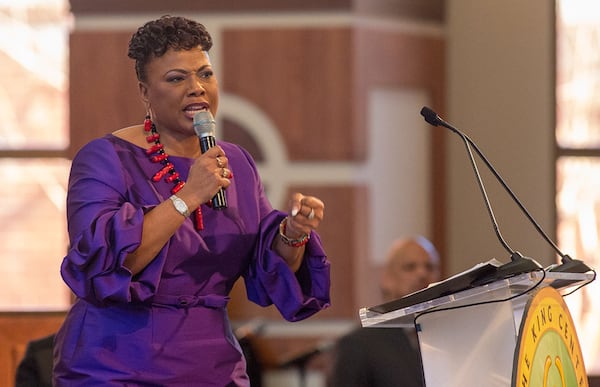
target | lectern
[{"x": 471, "y": 337}]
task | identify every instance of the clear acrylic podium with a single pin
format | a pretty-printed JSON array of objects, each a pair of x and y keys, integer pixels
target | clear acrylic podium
[{"x": 468, "y": 338}]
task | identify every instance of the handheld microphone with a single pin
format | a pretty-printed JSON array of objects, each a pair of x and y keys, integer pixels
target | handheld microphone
[
  {"x": 204, "y": 126},
  {"x": 518, "y": 261}
]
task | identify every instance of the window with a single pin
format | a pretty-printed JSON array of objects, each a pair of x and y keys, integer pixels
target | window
[
  {"x": 33, "y": 142},
  {"x": 578, "y": 158}
]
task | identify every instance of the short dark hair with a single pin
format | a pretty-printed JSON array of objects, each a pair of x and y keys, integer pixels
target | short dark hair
[{"x": 155, "y": 37}]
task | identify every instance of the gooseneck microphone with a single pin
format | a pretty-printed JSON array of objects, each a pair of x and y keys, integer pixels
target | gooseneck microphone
[
  {"x": 204, "y": 126},
  {"x": 518, "y": 264}
]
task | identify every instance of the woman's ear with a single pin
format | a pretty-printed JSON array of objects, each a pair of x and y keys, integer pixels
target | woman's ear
[{"x": 143, "y": 88}]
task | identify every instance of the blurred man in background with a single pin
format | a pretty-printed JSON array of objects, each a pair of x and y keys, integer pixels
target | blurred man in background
[{"x": 389, "y": 357}]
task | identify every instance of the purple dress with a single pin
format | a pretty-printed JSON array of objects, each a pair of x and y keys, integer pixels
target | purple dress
[{"x": 168, "y": 325}]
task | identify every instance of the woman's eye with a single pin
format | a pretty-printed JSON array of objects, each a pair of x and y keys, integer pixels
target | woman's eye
[{"x": 206, "y": 74}]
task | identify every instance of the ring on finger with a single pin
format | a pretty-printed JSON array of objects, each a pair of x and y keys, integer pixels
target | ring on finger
[
  {"x": 224, "y": 172},
  {"x": 311, "y": 214},
  {"x": 219, "y": 162}
]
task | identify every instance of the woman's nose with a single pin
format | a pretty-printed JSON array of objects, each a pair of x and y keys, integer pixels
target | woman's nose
[{"x": 196, "y": 87}]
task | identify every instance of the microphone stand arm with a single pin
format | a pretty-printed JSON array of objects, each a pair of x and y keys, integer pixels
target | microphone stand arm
[{"x": 486, "y": 200}]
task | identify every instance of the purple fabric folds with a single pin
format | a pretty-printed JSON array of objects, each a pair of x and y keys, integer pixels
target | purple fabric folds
[{"x": 168, "y": 324}]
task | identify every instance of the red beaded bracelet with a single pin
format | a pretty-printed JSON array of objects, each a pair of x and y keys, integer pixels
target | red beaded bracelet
[{"x": 287, "y": 240}]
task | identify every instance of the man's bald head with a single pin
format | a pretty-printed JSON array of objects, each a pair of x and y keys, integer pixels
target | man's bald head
[{"x": 411, "y": 264}]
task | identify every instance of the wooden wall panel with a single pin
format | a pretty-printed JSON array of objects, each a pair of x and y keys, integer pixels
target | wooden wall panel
[
  {"x": 303, "y": 79},
  {"x": 103, "y": 87},
  {"x": 400, "y": 59}
]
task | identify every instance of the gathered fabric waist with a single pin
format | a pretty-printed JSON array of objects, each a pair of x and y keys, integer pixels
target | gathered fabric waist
[{"x": 188, "y": 301}]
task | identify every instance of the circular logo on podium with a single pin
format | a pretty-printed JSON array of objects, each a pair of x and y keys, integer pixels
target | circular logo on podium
[{"x": 548, "y": 351}]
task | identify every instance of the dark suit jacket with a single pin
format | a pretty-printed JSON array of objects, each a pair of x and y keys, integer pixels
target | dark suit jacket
[
  {"x": 35, "y": 370},
  {"x": 376, "y": 357}
]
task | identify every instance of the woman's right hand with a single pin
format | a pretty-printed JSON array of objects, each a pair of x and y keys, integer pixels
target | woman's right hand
[{"x": 208, "y": 174}]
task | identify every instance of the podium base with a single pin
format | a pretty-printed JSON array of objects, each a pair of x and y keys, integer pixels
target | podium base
[{"x": 471, "y": 346}]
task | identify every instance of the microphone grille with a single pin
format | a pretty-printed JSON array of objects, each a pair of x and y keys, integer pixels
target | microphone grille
[
  {"x": 430, "y": 116},
  {"x": 204, "y": 123}
]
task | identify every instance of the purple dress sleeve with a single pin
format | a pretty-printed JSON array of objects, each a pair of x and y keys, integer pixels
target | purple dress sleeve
[
  {"x": 104, "y": 226},
  {"x": 270, "y": 280}
]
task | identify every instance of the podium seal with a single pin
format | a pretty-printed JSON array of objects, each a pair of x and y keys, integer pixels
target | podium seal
[{"x": 548, "y": 352}]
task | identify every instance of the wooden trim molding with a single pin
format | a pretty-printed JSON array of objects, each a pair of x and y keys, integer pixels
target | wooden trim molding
[
  {"x": 151, "y": 6},
  {"x": 431, "y": 10}
]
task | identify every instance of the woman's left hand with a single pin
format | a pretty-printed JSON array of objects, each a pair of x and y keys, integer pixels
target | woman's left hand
[{"x": 305, "y": 215}]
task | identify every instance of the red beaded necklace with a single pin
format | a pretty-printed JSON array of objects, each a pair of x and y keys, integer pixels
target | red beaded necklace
[{"x": 157, "y": 154}]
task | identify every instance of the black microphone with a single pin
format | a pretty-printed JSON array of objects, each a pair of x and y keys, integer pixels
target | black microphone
[
  {"x": 204, "y": 126},
  {"x": 568, "y": 264}
]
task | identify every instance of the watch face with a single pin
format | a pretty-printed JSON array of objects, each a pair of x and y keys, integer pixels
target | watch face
[{"x": 180, "y": 206}]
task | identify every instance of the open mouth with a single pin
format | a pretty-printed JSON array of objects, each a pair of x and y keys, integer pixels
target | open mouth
[{"x": 191, "y": 110}]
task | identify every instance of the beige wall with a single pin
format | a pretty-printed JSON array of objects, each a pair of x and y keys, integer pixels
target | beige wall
[{"x": 500, "y": 91}]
